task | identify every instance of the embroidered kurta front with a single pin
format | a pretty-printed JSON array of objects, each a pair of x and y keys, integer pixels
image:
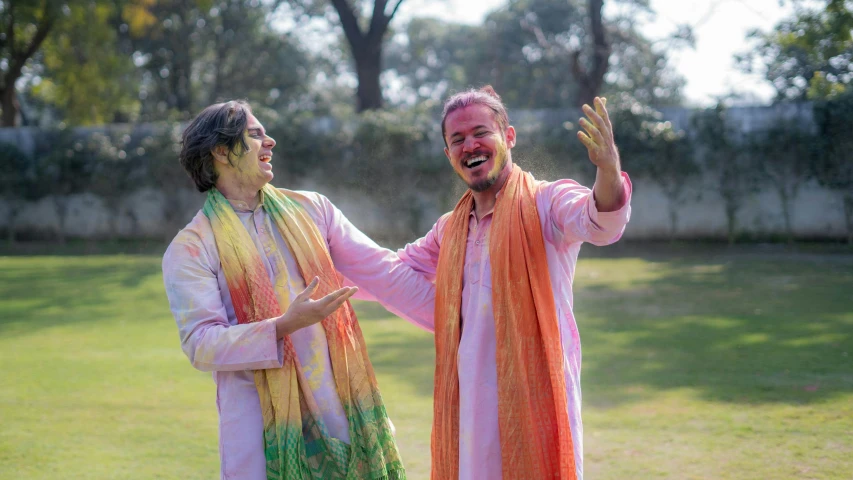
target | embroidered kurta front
[
  {"x": 568, "y": 217},
  {"x": 210, "y": 337}
]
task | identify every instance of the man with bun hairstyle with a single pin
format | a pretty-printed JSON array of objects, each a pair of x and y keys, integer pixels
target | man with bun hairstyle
[{"x": 507, "y": 377}]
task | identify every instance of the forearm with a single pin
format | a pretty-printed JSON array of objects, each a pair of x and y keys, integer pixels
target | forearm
[
  {"x": 380, "y": 272},
  {"x": 609, "y": 191},
  {"x": 222, "y": 347}
]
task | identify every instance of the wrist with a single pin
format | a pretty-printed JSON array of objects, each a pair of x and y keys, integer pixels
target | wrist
[
  {"x": 282, "y": 327},
  {"x": 611, "y": 172}
]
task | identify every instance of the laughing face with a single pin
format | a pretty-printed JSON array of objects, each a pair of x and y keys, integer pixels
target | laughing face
[
  {"x": 252, "y": 167},
  {"x": 477, "y": 148}
]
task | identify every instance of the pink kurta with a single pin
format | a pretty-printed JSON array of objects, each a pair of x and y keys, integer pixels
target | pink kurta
[
  {"x": 210, "y": 337},
  {"x": 569, "y": 217}
]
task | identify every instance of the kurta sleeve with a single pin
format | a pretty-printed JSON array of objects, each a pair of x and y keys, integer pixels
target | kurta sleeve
[
  {"x": 422, "y": 254},
  {"x": 378, "y": 270},
  {"x": 207, "y": 338},
  {"x": 574, "y": 217}
]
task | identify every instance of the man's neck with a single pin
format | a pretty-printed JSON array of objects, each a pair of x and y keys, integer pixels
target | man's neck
[
  {"x": 250, "y": 196},
  {"x": 484, "y": 202}
]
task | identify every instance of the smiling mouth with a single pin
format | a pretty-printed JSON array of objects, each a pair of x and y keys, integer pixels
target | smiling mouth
[
  {"x": 266, "y": 158},
  {"x": 474, "y": 162}
]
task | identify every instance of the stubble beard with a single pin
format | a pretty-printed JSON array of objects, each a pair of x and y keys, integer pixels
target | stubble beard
[{"x": 494, "y": 175}]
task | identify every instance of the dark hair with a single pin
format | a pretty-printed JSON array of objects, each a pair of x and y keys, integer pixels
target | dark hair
[
  {"x": 485, "y": 95},
  {"x": 218, "y": 124}
]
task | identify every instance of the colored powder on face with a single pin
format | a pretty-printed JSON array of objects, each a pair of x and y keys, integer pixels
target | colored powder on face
[{"x": 500, "y": 156}]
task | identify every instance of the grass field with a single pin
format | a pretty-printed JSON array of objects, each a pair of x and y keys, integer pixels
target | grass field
[{"x": 697, "y": 365}]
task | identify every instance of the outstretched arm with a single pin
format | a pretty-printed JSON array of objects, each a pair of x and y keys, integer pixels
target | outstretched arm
[
  {"x": 598, "y": 139},
  {"x": 378, "y": 271}
]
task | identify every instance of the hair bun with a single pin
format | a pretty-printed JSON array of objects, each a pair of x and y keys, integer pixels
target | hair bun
[{"x": 490, "y": 91}]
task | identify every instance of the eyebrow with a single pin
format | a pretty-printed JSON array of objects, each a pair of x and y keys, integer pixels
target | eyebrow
[{"x": 259, "y": 130}]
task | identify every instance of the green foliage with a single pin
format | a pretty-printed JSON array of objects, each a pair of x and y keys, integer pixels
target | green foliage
[
  {"x": 652, "y": 148},
  {"x": 525, "y": 49},
  {"x": 833, "y": 165},
  {"x": 18, "y": 184},
  {"x": 65, "y": 164},
  {"x": 808, "y": 56},
  {"x": 783, "y": 154},
  {"x": 88, "y": 83},
  {"x": 720, "y": 150},
  {"x": 386, "y": 152},
  {"x": 17, "y": 173},
  {"x": 193, "y": 54}
]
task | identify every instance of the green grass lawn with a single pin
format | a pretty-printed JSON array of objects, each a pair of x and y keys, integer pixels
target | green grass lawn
[{"x": 720, "y": 365}]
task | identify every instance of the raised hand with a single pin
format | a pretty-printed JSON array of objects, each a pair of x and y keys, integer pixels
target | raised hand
[
  {"x": 304, "y": 312},
  {"x": 598, "y": 138}
]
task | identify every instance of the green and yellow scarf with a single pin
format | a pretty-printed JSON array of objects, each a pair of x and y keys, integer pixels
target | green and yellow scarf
[{"x": 298, "y": 446}]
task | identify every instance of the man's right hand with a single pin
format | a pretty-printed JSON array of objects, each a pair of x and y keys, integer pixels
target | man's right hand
[{"x": 304, "y": 312}]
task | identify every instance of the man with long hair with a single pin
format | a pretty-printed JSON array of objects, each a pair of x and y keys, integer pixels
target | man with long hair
[{"x": 255, "y": 285}]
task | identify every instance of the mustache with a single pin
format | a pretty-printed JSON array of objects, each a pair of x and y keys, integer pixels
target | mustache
[{"x": 475, "y": 153}]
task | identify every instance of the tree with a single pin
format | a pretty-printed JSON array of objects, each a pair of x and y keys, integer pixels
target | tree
[
  {"x": 832, "y": 166},
  {"x": 192, "y": 54},
  {"x": 63, "y": 51},
  {"x": 18, "y": 184},
  {"x": 81, "y": 70},
  {"x": 526, "y": 50},
  {"x": 164, "y": 172},
  {"x": 655, "y": 150},
  {"x": 64, "y": 164},
  {"x": 808, "y": 56},
  {"x": 576, "y": 34},
  {"x": 365, "y": 36},
  {"x": 25, "y": 26},
  {"x": 723, "y": 160},
  {"x": 118, "y": 168},
  {"x": 590, "y": 60},
  {"x": 366, "y": 47},
  {"x": 784, "y": 153}
]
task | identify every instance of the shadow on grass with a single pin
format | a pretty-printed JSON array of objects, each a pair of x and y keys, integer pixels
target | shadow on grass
[
  {"x": 732, "y": 329},
  {"x": 41, "y": 292},
  {"x": 77, "y": 247}
]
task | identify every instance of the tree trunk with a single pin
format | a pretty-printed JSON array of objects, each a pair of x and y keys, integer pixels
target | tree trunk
[
  {"x": 10, "y": 229},
  {"x": 590, "y": 79},
  {"x": 61, "y": 212},
  {"x": 9, "y": 104},
  {"x": 848, "y": 217},
  {"x": 114, "y": 214},
  {"x": 368, "y": 65},
  {"x": 366, "y": 48},
  {"x": 731, "y": 221},
  {"x": 673, "y": 220},
  {"x": 786, "y": 214}
]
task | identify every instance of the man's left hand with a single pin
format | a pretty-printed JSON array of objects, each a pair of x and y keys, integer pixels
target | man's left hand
[{"x": 598, "y": 138}]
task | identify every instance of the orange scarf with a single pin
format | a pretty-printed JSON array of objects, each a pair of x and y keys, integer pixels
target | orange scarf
[{"x": 536, "y": 439}]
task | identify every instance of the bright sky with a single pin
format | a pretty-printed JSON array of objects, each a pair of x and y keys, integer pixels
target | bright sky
[{"x": 720, "y": 27}]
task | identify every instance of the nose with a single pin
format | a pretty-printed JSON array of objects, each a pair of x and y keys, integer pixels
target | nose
[
  {"x": 269, "y": 142},
  {"x": 470, "y": 144}
]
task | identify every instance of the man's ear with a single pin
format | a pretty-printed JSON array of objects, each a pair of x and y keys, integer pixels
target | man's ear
[
  {"x": 447, "y": 152},
  {"x": 220, "y": 154},
  {"x": 510, "y": 136}
]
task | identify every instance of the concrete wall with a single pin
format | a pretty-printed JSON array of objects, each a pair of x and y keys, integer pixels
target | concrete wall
[{"x": 817, "y": 213}]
